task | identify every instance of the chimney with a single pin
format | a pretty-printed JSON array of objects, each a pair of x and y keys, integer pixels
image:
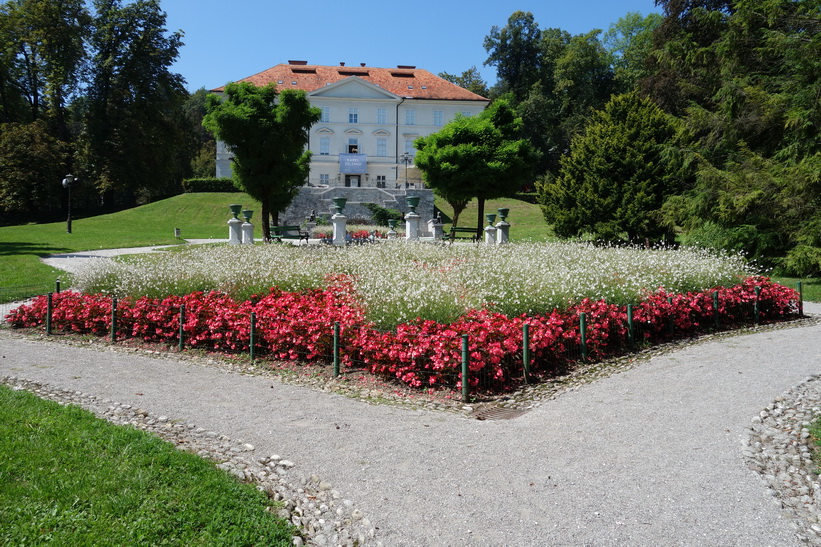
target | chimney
[
  {"x": 297, "y": 62},
  {"x": 342, "y": 63},
  {"x": 361, "y": 64}
]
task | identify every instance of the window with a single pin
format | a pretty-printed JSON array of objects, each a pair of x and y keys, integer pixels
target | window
[
  {"x": 326, "y": 114},
  {"x": 325, "y": 179},
  {"x": 467, "y": 114},
  {"x": 410, "y": 116},
  {"x": 324, "y": 146},
  {"x": 353, "y": 145},
  {"x": 382, "y": 116},
  {"x": 438, "y": 118},
  {"x": 409, "y": 149},
  {"x": 381, "y": 181},
  {"x": 381, "y": 147},
  {"x": 353, "y": 115}
]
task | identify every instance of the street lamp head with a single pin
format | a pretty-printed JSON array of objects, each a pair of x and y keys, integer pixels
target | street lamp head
[{"x": 68, "y": 181}]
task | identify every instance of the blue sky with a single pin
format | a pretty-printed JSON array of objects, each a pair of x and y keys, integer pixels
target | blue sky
[{"x": 227, "y": 41}]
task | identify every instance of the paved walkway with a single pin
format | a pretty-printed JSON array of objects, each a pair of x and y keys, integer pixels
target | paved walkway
[
  {"x": 651, "y": 456},
  {"x": 71, "y": 262}
]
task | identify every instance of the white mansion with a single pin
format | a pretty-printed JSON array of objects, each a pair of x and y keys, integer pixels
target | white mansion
[{"x": 370, "y": 118}]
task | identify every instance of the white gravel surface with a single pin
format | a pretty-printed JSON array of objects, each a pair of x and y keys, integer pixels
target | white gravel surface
[
  {"x": 650, "y": 456},
  {"x": 71, "y": 262}
]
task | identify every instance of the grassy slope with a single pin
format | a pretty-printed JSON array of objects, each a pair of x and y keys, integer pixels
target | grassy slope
[
  {"x": 197, "y": 215},
  {"x": 526, "y": 220},
  {"x": 202, "y": 216},
  {"x": 811, "y": 288}
]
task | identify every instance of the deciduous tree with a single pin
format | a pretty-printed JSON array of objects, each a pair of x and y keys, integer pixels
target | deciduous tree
[
  {"x": 516, "y": 53},
  {"x": 469, "y": 79},
  {"x": 134, "y": 140},
  {"x": 267, "y": 132},
  {"x": 32, "y": 163},
  {"x": 483, "y": 157},
  {"x": 629, "y": 41},
  {"x": 42, "y": 55}
]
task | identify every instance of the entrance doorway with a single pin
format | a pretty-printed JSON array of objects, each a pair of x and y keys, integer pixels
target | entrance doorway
[{"x": 352, "y": 181}]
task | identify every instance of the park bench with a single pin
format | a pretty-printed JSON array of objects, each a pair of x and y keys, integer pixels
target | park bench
[
  {"x": 288, "y": 232},
  {"x": 457, "y": 232}
]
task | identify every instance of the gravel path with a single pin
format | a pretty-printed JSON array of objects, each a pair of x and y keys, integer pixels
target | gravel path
[
  {"x": 701, "y": 446},
  {"x": 657, "y": 455}
]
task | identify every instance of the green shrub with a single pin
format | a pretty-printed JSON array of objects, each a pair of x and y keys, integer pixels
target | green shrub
[
  {"x": 803, "y": 261},
  {"x": 528, "y": 197},
  {"x": 208, "y": 185},
  {"x": 380, "y": 215}
]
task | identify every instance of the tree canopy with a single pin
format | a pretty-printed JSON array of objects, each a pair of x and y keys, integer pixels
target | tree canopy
[
  {"x": 552, "y": 78},
  {"x": 95, "y": 75},
  {"x": 483, "y": 157},
  {"x": 515, "y": 52},
  {"x": 133, "y": 139},
  {"x": 617, "y": 176},
  {"x": 32, "y": 163},
  {"x": 267, "y": 132},
  {"x": 745, "y": 78},
  {"x": 470, "y": 79}
]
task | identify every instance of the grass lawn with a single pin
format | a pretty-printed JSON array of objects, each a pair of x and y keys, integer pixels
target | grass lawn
[
  {"x": 69, "y": 478},
  {"x": 526, "y": 219},
  {"x": 199, "y": 216},
  {"x": 811, "y": 288}
]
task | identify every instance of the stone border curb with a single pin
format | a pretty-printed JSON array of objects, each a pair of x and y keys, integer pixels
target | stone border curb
[
  {"x": 779, "y": 447},
  {"x": 311, "y": 504}
]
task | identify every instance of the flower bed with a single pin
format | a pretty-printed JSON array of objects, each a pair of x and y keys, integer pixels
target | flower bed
[
  {"x": 298, "y": 325},
  {"x": 396, "y": 283}
]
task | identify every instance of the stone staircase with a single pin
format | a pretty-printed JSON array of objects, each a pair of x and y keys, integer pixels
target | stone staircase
[{"x": 320, "y": 200}]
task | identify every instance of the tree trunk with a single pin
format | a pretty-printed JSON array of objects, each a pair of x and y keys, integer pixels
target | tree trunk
[
  {"x": 458, "y": 205},
  {"x": 266, "y": 228},
  {"x": 481, "y": 217}
]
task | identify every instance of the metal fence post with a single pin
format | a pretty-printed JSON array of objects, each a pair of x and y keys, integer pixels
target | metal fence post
[
  {"x": 800, "y": 299},
  {"x": 631, "y": 328},
  {"x": 757, "y": 309},
  {"x": 49, "y": 309},
  {"x": 57, "y": 286},
  {"x": 252, "y": 336},
  {"x": 182, "y": 324},
  {"x": 671, "y": 324},
  {"x": 583, "y": 335},
  {"x": 715, "y": 308},
  {"x": 113, "y": 319},
  {"x": 465, "y": 361},
  {"x": 526, "y": 351},
  {"x": 336, "y": 349}
]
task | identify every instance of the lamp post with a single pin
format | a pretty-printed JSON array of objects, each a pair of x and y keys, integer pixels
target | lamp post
[
  {"x": 67, "y": 182},
  {"x": 406, "y": 159}
]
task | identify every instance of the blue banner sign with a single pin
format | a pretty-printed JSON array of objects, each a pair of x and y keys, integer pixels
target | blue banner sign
[{"x": 353, "y": 163}]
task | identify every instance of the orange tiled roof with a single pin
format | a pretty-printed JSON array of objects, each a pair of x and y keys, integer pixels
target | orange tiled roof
[{"x": 405, "y": 81}]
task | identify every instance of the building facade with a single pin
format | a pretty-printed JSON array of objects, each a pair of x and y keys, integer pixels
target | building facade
[{"x": 370, "y": 118}]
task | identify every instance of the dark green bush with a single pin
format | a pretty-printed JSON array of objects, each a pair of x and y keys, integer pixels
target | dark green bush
[
  {"x": 803, "y": 261},
  {"x": 528, "y": 197},
  {"x": 380, "y": 215},
  {"x": 190, "y": 186}
]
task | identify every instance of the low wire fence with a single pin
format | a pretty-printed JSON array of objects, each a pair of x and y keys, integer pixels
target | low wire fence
[{"x": 485, "y": 353}]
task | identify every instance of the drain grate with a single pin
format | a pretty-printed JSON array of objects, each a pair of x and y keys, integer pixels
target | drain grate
[{"x": 497, "y": 413}]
